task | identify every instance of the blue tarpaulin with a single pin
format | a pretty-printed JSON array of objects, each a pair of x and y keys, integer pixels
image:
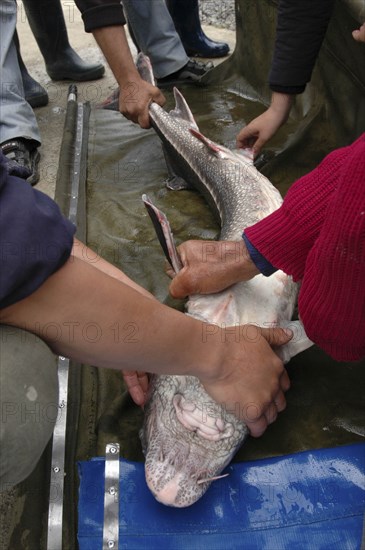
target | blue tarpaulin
[{"x": 309, "y": 500}]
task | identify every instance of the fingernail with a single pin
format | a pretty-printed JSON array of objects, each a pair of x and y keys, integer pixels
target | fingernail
[{"x": 288, "y": 332}]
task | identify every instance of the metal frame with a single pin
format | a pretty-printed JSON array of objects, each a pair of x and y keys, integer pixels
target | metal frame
[
  {"x": 111, "y": 497},
  {"x": 55, "y": 510}
]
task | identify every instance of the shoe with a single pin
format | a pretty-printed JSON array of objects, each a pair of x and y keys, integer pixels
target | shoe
[
  {"x": 191, "y": 73},
  {"x": 23, "y": 158},
  {"x": 202, "y": 46},
  {"x": 186, "y": 18}
]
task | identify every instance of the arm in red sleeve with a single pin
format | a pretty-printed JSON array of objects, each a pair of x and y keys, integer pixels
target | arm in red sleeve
[
  {"x": 318, "y": 236},
  {"x": 286, "y": 236},
  {"x": 332, "y": 296}
]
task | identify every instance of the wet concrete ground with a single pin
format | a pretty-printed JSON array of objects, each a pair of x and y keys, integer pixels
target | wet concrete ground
[{"x": 51, "y": 117}]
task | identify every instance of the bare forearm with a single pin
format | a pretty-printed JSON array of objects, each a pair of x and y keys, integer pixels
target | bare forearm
[
  {"x": 114, "y": 45},
  {"x": 84, "y": 253},
  {"x": 93, "y": 318},
  {"x": 262, "y": 128},
  {"x": 135, "y": 94},
  {"x": 281, "y": 104}
]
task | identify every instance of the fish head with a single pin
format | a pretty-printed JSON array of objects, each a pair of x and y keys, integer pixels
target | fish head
[{"x": 187, "y": 438}]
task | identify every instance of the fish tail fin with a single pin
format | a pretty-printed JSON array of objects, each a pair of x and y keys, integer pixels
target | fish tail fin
[
  {"x": 297, "y": 344},
  {"x": 144, "y": 68}
]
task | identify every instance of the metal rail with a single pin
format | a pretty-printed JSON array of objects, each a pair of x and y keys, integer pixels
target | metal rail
[
  {"x": 55, "y": 510},
  {"x": 111, "y": 498}
]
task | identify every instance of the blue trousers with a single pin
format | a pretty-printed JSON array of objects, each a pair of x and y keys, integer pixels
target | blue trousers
[
  {"x": 156, "y": 35},
  {"x": 17, "y": 118}
]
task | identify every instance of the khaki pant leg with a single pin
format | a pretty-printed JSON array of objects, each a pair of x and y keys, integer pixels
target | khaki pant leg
[{"x": 28, "y": 402}]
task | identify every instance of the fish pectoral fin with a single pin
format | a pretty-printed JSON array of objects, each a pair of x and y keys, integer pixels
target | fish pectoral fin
[
  {"x": 174, "y": 181},
  {"x": 300, "y": 341},
  {"x": 225, "y": 313},
  {"x": 218, "y": 309},
  {"x": 164, "y": 233},
  {"x": 177, "y": 183}
]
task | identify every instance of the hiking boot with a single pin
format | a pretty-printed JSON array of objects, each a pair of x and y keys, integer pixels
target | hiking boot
[
  {"x": 23, "y": 158},
  {"x": 191, "y": 73}
]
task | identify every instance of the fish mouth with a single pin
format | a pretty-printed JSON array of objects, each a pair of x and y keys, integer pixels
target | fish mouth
[
  {"x": 178, "y": 491},
  {"x": 196, "y": 419}
]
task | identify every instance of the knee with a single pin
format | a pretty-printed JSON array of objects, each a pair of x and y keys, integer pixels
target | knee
[{"x": 28, "y": 402}]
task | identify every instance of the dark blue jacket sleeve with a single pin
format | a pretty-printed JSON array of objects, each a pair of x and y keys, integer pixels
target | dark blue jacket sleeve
[
  {"x": 301, "y": 28},
  {"x": 262, "y": 264},
  {"x": 35, "y": 238},
  {"x": 101, "y": 13}
]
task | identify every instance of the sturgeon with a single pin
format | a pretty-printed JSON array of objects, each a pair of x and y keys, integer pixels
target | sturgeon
[{"x": 187, "y": 438}]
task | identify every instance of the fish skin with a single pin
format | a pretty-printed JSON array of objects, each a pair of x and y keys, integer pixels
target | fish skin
[{"x": 187, "y": 438}]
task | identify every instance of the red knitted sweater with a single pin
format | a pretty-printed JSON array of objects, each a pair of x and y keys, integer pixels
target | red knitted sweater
[{"x": 318, "y": 237}]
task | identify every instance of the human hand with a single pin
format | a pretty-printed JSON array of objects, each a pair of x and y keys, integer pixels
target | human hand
[
  {"x": 263, "y": 127},
  {"x": 137, "y": 384},
  {"x": 253, "y": 379},
  {"x": 210, "y": 266},
  {"x": 134, "y": 99},
  {"x": 359, "y": 34}
]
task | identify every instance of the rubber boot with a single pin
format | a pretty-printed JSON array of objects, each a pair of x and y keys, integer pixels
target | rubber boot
[
  {"x": 49, "y": 29},
  {"x": 34, "y": 93},
  {"x": 185, "y": 15}
]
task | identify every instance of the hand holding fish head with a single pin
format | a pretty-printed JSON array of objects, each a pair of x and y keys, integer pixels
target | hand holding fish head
[{"x": 252, "y": 379}]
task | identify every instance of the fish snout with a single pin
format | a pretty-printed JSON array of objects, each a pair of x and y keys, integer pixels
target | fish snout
[{"x": 177, "y": 490}]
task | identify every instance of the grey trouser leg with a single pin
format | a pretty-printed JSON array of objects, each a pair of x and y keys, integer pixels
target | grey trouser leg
[
  {"x": 156, "y": 35},
  {"x": 28, "y": 402},
  {"x": 17, "y": 118}
]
